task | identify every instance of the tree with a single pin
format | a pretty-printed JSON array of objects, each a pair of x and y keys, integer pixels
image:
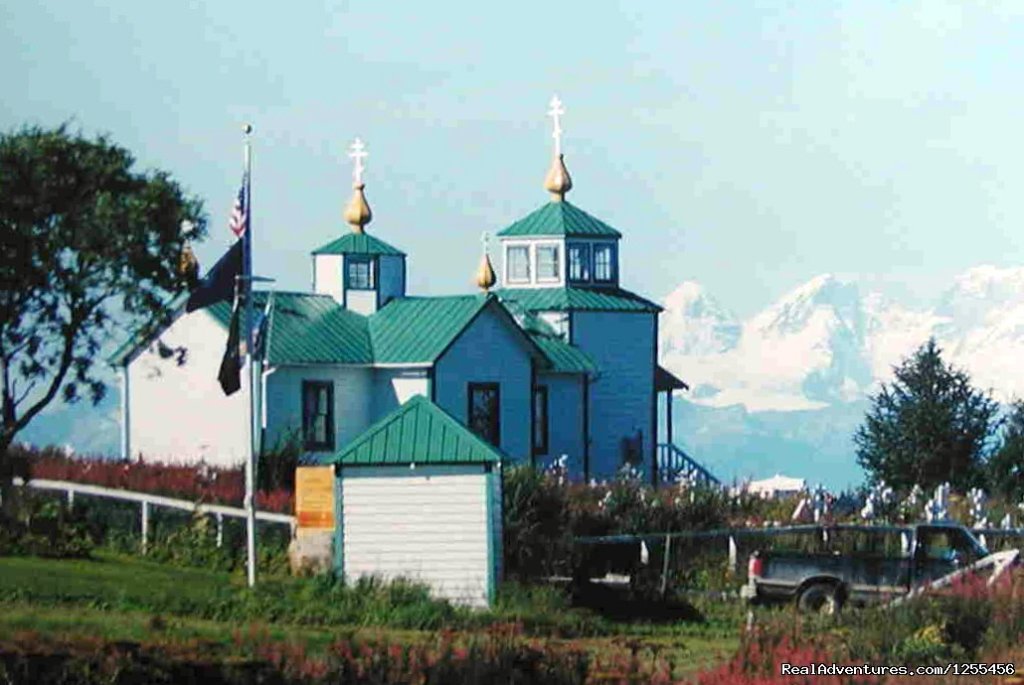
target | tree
[
  {"x": 1006, "y": 466},
  {"x": 86, "y": 244},
  {"x": 928, "y": 426}
]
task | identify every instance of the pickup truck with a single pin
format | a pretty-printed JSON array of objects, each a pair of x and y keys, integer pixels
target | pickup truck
[{"x": 859, "y": 564}]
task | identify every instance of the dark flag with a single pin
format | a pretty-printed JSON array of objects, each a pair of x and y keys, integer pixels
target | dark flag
[
  {"x": 218, "y": 285},
  {"x": 230, "y": 373}
]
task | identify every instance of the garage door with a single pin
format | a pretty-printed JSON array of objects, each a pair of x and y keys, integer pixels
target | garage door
[{"x": 428, "y": 524}]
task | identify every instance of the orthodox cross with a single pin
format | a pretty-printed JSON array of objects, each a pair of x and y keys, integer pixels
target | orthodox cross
[
  {"x": 358, "y": 153},
  {"x": 556, "y": 112},
  {"x": 486, "y": 239}
]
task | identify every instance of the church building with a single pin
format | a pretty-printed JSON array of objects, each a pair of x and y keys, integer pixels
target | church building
[{"x": 551, "y": 358}]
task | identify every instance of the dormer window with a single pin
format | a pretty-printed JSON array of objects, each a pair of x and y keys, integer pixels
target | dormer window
[
  {"x": 579, "y": 262},
  {"x": 359, "y": 272},
  {"x": 547, "y": 263},
  {"x": 518, "y": 260},
  {"x": 604, "y": 263}
]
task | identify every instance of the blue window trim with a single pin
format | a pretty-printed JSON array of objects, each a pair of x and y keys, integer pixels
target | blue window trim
[
  {"x": 584, "y": 249},
  {"x": 612, "y": 259},
  {"x": 351, "y": 260}
]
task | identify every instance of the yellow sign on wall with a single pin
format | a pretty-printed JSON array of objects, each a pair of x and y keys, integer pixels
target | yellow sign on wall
[{"x": 314, "y": 497}]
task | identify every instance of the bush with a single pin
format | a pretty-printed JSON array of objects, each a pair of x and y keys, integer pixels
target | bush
[{"x": 41, "y": 526}]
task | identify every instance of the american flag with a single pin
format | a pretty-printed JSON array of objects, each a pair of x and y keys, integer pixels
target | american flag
[{"x": 239, "y": 213}]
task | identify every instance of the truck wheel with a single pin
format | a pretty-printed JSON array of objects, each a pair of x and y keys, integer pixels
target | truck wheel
[{"x": 820, "y": 598}]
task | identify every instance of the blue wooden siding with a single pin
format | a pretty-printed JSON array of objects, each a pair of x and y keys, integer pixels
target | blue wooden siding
[
  {"x": 392, "y": 278},
  {"x": 352, "y": 410},
  {"x": 565, "y": 420},
  {"x": 622, "y": 399},
  {"x": 489, "y": 351}
]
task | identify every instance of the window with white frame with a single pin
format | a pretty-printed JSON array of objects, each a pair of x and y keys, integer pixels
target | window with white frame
[
  {"x": 604, "y": 263},
  {"x": 547, "y": 263},
  {"x": 517, "y": 261}
]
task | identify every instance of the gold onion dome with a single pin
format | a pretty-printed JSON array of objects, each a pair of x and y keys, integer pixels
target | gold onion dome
[
  {"x": 358, "y": 213},
  {"x": 485, "y": 278},
  {"x": 558, "y": 182}
]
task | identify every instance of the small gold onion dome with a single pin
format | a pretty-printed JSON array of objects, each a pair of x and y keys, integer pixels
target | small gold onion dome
[
  {"x": 188, "y": 265},
  {"x": 485, "y": 278},
  {"x": 358, "y": 213},
  {"x": 558, "y": 182}
]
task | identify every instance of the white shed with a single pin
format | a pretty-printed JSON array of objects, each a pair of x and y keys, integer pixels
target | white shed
[{"x": 419, "y": 496}]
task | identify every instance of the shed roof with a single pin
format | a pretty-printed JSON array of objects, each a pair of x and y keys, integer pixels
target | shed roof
[
  {"x": 560, "y": 219},
  {"x": 418, "y": 432},
  {"x": 359, "y": 243},
  {"x": 588, "y": 299}
]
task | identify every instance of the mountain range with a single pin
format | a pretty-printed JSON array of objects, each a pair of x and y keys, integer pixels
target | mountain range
[
  {"x": 784, "y": 390},
  {"x": 779, "y": 392}
]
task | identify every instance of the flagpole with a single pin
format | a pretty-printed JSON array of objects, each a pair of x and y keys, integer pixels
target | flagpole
[{"x": 250, "y": 462}]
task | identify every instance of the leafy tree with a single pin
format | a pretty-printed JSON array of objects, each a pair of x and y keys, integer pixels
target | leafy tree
[
  {"x": 1006, "y": 466},
  {"x": 928, "y": 426},
  {"x": 87, "y": 244}
]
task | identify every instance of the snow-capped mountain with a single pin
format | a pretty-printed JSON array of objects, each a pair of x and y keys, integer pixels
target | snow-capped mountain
[
  {"x": 812, "y": 358},
  {"x": 826, "y": 342}
]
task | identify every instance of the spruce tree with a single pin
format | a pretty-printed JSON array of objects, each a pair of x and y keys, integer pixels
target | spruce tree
[{"x": 928, "y": 426}]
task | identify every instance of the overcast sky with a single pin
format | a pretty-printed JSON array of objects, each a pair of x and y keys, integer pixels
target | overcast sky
[{"x": 748, "y": 146}]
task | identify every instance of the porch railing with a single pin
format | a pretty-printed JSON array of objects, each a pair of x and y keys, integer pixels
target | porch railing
[{"x": 674, "y": 464}]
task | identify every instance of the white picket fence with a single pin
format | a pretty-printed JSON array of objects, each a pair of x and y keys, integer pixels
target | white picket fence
[{"x": 146, "y": 501}]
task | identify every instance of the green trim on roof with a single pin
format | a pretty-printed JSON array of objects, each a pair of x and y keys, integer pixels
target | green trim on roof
[
  {"x": 359, "y": 243},
  {"x": 561, "y": 219},
  {"x": 587, "y": 299},
  {"x": 418, "y": 432}
]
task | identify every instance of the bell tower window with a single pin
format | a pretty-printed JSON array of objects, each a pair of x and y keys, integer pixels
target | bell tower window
[
  {"x": 604, "y": 263},
  {"x": 359, "y": 273},
  {"x": 579, "y": 262},
  {"x": 518, "y": 260},
  {"x": 548, "y": 268}
]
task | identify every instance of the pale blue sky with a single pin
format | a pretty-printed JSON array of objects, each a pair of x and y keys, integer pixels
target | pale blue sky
[{"x": 746, "y": 145}]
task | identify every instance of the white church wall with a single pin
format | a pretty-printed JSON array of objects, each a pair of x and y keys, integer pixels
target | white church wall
[
  {"x": 327, "y": 275},
  {"x": 393, "y": 387},
  {"x": 361, "y": 301},
  {"x": 391, "y": 276},
  {"x": 565, "y": 419},
  {"x": 622, "y": 399},
  {"x": 489, "y": 351},
  {"x": 353, "y": 388},
  {"x": 179, "y": 414},
  {"x": 559, "y": 321}
]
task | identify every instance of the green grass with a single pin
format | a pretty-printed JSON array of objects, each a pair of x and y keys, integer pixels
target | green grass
[{"x": 123, "y": 598}]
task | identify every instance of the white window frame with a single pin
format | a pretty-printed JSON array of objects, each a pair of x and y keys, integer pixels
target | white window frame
[
  {"x": 557, "y": 278},
  {"x": 530, "y": 271}
]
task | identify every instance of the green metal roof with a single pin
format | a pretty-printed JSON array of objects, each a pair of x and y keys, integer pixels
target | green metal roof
[
  {"x": 564, "y": 358},
  {"x": 416, "y": 330},
  {"x": 418, "y": 432},
  {"x": 587, "y": 299},
  {"x": 359, "y": 243},
  {"x": 562, "y": 219},
  {"x": 307, "y": 328}
]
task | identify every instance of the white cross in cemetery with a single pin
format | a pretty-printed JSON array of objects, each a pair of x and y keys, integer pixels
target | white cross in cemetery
[
  {"x": 979, "y": 512},
  {"x": 357, "y": 152},
  {"x": 556, "y": 112},
  {"x": 937, "y": 508}
]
